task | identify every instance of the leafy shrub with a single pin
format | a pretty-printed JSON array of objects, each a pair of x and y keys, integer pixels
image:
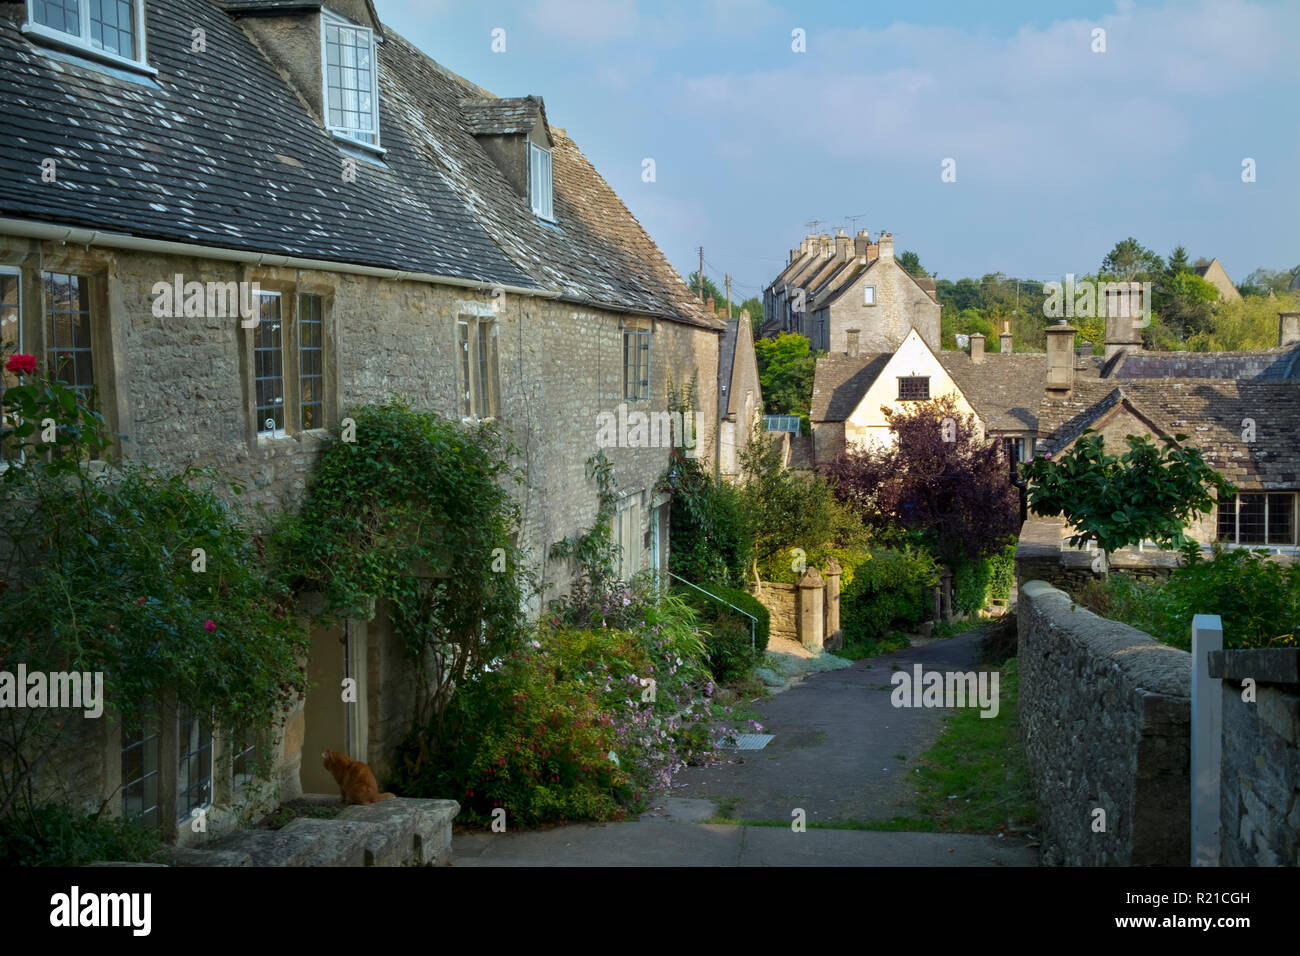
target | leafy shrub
[
  {"x": 570, "y": 726},
  {"x": 887, "y": 591},
  {"x": 712, "y": 539},
  {"x": 1003, "y": 573},
  {"x": 1257, "y": 600},
  {"x": 732, "y": 651},
  {"x": 54, "y": 834}
]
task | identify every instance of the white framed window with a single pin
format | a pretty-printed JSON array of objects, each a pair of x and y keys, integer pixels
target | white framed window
[
  {"x": 351, "y": 80},
  {"x": 110, "y": 30},
  {"x": 540, "y": 184},
  {"x": 479, "y": 384},
  {"x": 869, "y": 295}
]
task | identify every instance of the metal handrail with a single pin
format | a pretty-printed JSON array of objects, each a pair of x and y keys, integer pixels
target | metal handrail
[{"x": 753, "y": 621}]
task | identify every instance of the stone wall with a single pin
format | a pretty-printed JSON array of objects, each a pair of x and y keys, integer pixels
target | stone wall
[
  {"x": 181, "y": 389},
  {"x": 1106, "y": 713},
  {"x": 1259, "y": 796},
  {"x": 901, "y": 305},
  {"x": 781, "y": 601},
  {"x": 1039, "y": 557}
]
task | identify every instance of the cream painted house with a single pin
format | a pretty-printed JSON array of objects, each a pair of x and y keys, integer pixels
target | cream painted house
[{"x": 851, "y": 393}]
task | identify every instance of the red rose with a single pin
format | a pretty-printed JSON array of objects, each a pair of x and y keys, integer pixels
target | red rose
[{"x": 21, "y": 364}]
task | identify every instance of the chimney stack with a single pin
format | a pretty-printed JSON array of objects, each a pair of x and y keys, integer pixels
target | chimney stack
[
  {"x": 843, "y": 247},
  {"x": 1005, "y": 339},
  {"x": 827, "y": 245},
  {"x": 977, "y": 347},
  {"x": 1288, "y": 328},
  {"x": 1060, "y": 356},
  {"x": 1123, "y": 312},
  {"x": 861, "y": 243},
  {"x": 886, "y": 246},
  {"x": 851, "y": 337}
]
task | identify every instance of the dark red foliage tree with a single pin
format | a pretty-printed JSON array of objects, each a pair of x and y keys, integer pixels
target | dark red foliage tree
[{"x": 938, "y": 479}]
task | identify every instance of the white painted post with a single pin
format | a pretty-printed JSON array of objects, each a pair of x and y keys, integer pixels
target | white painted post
[{"x": 1207, "y": 732}]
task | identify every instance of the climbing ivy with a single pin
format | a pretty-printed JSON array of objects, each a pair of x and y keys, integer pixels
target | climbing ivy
[
  {"x": 593, "y": 552},
  {"x": 417, "y": 511}
]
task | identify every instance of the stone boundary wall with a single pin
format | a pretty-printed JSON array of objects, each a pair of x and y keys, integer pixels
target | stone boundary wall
[
  {"x": 1259, "y": 795},
  {"x": 1106, "y": 712},
  {"x": 781, "y": 601}
]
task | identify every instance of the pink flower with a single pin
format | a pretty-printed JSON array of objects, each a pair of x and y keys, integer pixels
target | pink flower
[
  {"x": 1048, "y": 456},
  {"x": 209, "y": 625},
  {"x": 21, "y": 364}
]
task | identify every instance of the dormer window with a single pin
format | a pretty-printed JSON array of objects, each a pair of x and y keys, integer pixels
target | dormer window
[
  {"x": 351, "y": 80},
  {"x": 111, "y": 30},
  {"x": 540, "y": 190}
]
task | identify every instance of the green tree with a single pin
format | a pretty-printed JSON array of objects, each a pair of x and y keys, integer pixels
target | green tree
[
  {"x": 786, "y": 365},
  {"x": 1177, "y": 262},
  {"x": 911, "y": 263},
  {"x": 710, "y": 288},
  {"x": 754, "y": 306},
  {"x": 1147, "y": 494},
  {"x": 1186, "y": 303},
  {"x": 1130, "y": 260}
]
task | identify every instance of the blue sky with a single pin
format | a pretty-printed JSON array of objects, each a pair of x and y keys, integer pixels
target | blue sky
[{"x": 1060, "y": 151}]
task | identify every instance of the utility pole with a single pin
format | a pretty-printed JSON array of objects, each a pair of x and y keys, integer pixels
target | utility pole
[
  {"x": 727, "y": 276},
  {"x": 700, "y": 274}
]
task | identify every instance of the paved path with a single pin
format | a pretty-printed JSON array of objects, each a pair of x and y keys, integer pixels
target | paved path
[{"x": 836, "y": 756}]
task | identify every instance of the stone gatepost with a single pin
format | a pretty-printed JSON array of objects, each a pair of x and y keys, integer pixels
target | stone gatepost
[
  {"x": 811, "y": 610},
  {"x": 834, "y": 637}
]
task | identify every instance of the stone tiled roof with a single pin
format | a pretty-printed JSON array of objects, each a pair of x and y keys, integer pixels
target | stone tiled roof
[
  {"x": 220, "y": 151},
  {"x": 503, "y": 116},
  {"x": 840, "y": 381},
  {"x": 1005, "y": 389},
  {"x": 1213, "y": 414},
  {"x": 727, "y": 364},
  {"x": 1263, "y": 364}
]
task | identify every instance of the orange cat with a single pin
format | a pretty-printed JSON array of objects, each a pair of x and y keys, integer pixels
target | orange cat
[{"x": 356, "y": 782}]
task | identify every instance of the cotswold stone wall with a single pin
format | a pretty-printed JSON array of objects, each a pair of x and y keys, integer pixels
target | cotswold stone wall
[
  {"x": 1259, "y": 796},
  {"x": 781, "y": 601},
  {"x": 1039, "y": 558},
  {"x": 1106, "y": 713}
]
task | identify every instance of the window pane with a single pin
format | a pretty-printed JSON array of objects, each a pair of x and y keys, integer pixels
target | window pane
[
  {"x": 194, "y": 769},
  {"x": 462, "y": 334},
  {"x": 1250, "y": 520},
  {"x": 140, "y": 773},
  {"x": 914, "y": 387},
  {"x": 67, "y": 330},
  {"x": 268, "y": 374},
  {"x": 1227, "y": 530},
  {"x": 483, "y": 403},
  {"x": 112, "y": 27},
  {"x": 311, "y": 360},
  {"x": 350, "y": 82},
  {"x": 1281, "y": 510},
  {"x": 63, "y": 15}
]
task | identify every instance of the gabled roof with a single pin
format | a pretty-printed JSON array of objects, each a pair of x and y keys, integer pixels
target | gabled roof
[
  {"x": 840, "y": 381},
  {"x": 726, "y": 364},
  {"x": 1209, "y": 412},
  {"x": 833, "y": 295},
  {"x": 1004, "y": 389},
  {"x": 220, "y": 151}
]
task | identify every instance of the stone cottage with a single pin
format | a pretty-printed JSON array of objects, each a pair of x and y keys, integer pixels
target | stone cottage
[
  {"x": 849, "y": 294},
  {"x": 408, "y": 233}
]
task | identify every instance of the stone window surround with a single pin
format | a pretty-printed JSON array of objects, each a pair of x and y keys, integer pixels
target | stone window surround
[
  {"x": 226, "y": 795},
  {"x": 868, "y": 295},
  {"x": 637, "y": 327},
  {"x": 472, "y": 324},
  {"x": 914, "y": 379},
  {"x": 1269, "y": 504},
  {"x": 107, "y": 317},
  {"x": 289, "y": 290}
]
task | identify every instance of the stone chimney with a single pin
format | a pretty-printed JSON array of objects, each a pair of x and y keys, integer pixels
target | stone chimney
[
  {"x": 977, "y": 347},
  {"x": 1060, "y": 356},
  {"x": 1123, "y": 311},
  {"x": 886, "y": 245},
  {"x": 861, "y": 243},
  {"x": 712, "y": 310},
  {"x": 843, "y": 246},
  {"x": 851, "y": 337},
  {"x": 1288, "y": 328},
  {"x": 1005, "y": 339},
  {"x": 826, "y": 245},
  {"x": 794, "y": 254}
]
